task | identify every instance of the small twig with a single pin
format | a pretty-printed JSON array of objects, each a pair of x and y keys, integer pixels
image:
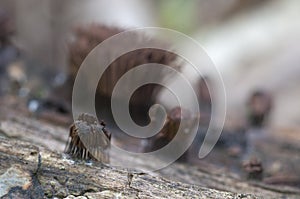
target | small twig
[{"x": 39, "y": 165}]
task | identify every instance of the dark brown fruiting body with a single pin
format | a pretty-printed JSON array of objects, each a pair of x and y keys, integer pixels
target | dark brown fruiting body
[
  {"x": 254, "y": 169},
  {"x": 87, "y": 38},
  {"x": 259, "y": 108},
  {"x": 170, "y": 129},
  {"x": 89, "y": 139}
]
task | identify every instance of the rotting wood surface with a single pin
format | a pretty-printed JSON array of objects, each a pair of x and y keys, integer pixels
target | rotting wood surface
[
  {"x": 21, "y": 175},
  {"x": 60, "y": 177}
]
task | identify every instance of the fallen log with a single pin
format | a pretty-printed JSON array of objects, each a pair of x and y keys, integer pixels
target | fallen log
[
  {"x": 28, "y": 171},
  {"x": 33, "y": 166}
]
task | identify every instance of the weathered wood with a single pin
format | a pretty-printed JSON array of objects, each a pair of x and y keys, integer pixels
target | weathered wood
[{"x": 61, "y": 177}]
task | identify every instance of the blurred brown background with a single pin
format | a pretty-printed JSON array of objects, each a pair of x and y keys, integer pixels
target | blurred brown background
[{"x": 254, "y": 44}]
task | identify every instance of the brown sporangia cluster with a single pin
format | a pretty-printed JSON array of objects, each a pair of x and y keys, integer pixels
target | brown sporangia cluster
[
  {"x": 259, "y": 108},
  {"x": 86, "y": 38},
  {"x": 170, "y": 129},
  {"x": 89, "y": 140},
  {"x": 253, "y": 169}
]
